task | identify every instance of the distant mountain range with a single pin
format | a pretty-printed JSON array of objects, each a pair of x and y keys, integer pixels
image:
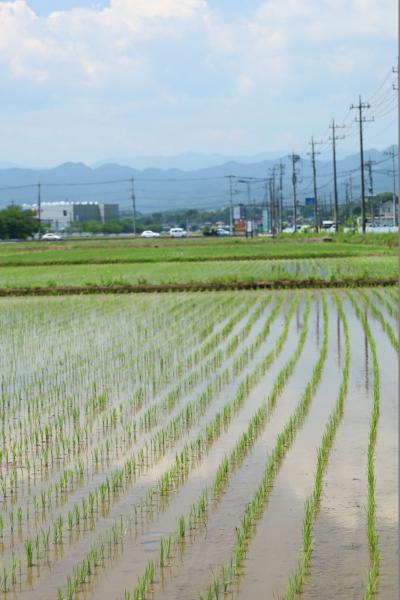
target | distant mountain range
[
  {"x": 188, "y": 161},
  {"x": 158, "y": 189}
]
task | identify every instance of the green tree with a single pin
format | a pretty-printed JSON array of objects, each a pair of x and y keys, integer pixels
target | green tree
[{"x": 17, "y": 223}]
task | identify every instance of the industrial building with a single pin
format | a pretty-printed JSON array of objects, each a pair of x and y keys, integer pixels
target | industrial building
[{"x": 60, "y": 215}]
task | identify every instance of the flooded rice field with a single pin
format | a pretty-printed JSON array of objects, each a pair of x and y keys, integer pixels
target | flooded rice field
[{"x": 200, "y": 446}]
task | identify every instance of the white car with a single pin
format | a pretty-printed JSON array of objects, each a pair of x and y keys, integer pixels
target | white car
[
  {"x": 222, "y": 232},
  {"x": 150, "y": 234},
  {"x": 51, "y": 237},
  {"x": 177, "y": 232}
]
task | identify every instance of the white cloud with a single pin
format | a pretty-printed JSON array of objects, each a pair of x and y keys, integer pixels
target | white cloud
[
  {"x": 183, "y": 61},
  {"x": 244, "y": 85}
]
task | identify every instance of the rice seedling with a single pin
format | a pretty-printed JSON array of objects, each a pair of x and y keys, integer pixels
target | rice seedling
[{"x": 29, "y": 553}]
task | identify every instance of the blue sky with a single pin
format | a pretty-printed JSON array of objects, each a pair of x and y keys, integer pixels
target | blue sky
[
  {"x": 44, "y": 8},
  {"x": 86, "y": 80}
]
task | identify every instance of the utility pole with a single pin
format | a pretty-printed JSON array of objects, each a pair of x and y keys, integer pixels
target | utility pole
[
  {"x": 248, "y": 184},
  {"x": 334, "y": 138},
  {"x": 230, "y": 177},
  {"x": 391, "y": 153},
  {"x": 396, "y": 87},
  {"x": 133, "y": 206},
  {"x": 347, "y": 199},
  {"x": 360, "y": 107},
  {"x": 281, "y": 173},
  {"x": 350, "y": 181},
  {"x": 272, "y": 204},
  {"x": 39, "y": 210},
  {"x": 312, "y": 154},
  {"x": 295, "y": 158},
  {"x": 368, "y": 166}
]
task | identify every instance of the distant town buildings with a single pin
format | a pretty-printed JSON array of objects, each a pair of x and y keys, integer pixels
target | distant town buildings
[{"x": 60, "y": 215}]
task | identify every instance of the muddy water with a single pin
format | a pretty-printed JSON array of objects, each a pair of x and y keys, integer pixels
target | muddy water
[
  {"x": 340, "y": 560},
  {"x": 124, "y": 506},
  {"x": 277, "y": 543},
  {"x": 124, "y": 574},
  {"x": 386, "y": 467}
]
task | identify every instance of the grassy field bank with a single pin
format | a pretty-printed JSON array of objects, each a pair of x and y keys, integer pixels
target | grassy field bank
[
  {"x": 110, "y": 263},
  {"x": 192, "y": 249}
]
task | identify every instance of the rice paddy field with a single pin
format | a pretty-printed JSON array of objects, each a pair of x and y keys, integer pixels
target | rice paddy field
[
  {"x": 231, "y": 444},
  {"x": 327, "y": 269}
]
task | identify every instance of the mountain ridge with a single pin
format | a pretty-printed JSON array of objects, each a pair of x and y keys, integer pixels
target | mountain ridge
[{"x": 160, "y": 189}]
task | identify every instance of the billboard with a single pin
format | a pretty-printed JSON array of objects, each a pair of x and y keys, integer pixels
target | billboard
[
  {"x": 239, "y": 212},
  {"x": 265, "y": 220},
  {"x": 240, "y": 226}
]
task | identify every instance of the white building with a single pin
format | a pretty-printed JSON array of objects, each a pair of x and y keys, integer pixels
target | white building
[{"x": 60, "y": 215}]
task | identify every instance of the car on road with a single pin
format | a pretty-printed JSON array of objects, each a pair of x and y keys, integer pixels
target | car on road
[
  {"x": 49, "y": 237},
  {"x": 222, "y": 232},
  {"x": 177, "y": 232},
  {"x": 147, "y": 233}
]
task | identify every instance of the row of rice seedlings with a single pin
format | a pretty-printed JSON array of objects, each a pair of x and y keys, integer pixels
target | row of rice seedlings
[
  {"x": 378, "y": 315},
  {"x": 296, "y": 580},
  {"x": 393, "y": 295},
  {"x": 109, "y": 421},
  {"x": 373, "y": 540},
  {"x": 108, "y": 345},
  {"x": 114, "y": 477},
  {"x": 242, "y": 335},
  {"x": 9, "y": 577},
  {"x": 123, "y": 477},
  {"x": 36, "y": 504},
  {"x": 192, "y": 453},
  {"x": 105, "y": 492},
  {"x": 24, "y": 434},
  {"x": 150, "y": 418},
  {"x": 248, "y": 354},
  {"x": 67, "y": 481},
  {"x": 254, "y": 510},
  {"x": 383, "y": 299},
  {"x": 212, "y": 494},
  {"x": 57, "y": 350},
  {"x": 49, "y": 436}
]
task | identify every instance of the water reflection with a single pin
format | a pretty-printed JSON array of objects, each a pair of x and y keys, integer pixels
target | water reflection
[
  {"x": 339, "y": 343},
  {"x": 366, "y": 354}
]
